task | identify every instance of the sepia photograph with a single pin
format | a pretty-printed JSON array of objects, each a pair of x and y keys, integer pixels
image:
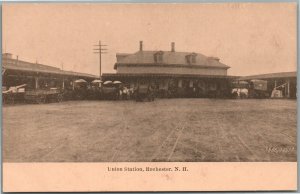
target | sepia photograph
[{"x": 149, "y": 83}]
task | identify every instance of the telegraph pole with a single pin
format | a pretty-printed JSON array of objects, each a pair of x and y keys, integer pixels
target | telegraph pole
[
  {"x": 99, "y": 50},
  {"x": 63, "y": 79}
]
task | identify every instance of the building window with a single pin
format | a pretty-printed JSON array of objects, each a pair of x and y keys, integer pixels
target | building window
[
  {"x": 191, "y": 83},
  {"x": 193, "y": 58},
  {"x": 158, "y": 57},
  {"x": 180, "y": 83},
  {"x": 190, "y": 59}
]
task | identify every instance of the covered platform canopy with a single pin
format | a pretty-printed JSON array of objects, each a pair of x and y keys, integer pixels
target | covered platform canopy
[
  {"x": 16, "y": 72},
  {"x": 27, "y": 67},
  {"x": 284, "y": 81},
  {"x": 281, "y": 75}
]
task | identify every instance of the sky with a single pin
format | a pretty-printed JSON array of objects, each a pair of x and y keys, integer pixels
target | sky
[{"x": 252, "y": 38}]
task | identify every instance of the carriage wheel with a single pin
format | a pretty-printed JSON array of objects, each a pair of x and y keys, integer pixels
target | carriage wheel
[
  {"x": 4, "y": 99},
  {"x": 149, "y": 98},
  {"x": 12, "y": 100},
  {"x": 60, "y": 98},
  {"x": 41, "y": 99},
  {"x": 137, "y": 98},
  {"x": 7, "y": 100}
]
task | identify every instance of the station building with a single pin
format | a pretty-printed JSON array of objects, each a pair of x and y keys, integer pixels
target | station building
[{"x": 185, "y": 73}]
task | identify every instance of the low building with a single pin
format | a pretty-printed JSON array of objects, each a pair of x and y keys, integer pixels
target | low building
[
  {"x": 183, "y": 73},
  {"x": 286, "y": 82},
  {"x": 17, "y": 72}
]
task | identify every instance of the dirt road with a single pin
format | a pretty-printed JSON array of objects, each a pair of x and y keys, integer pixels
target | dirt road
[{"x": 163, "y": 130}]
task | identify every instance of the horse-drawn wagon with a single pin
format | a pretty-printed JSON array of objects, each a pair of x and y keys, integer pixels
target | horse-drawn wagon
[
  {"x": 258, "y": 89},
  {"x": 144, "y": 91},
  {"x": 13, "y": 94},
  {"x": 110, "y": 91},
  {"x": 250, "y": 89},
  {"x": 44, "y": 96}
]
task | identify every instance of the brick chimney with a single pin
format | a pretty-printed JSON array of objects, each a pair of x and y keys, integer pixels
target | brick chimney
[
  {"x": 141, "y": 45},
  {"x": 173, "y": 46}
]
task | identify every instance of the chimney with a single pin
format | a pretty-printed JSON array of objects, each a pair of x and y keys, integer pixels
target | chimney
[
  {"x": 141, "y": 45},
  {"x": 17, "y": 61},
  {"x": 173, "y": 46}
]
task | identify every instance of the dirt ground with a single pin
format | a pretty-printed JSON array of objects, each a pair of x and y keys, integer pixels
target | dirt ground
[{"x": 163, "y": 130}]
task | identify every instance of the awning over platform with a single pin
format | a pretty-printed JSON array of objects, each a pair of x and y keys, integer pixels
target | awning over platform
[
  {"x": 22, "y": 67},
  {"x": 281, "y": 75}
]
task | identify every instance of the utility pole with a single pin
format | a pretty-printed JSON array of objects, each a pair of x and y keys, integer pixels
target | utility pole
[
  {"x": 63, "y": 79},
  {"x": 99, "y": 50}
]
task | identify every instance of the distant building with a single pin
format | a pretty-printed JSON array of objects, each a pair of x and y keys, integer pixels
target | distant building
[
  {"x": 185, "y": 73},
  {"x": 17, "y": 72},
  {"x": 286, "y": 82}
]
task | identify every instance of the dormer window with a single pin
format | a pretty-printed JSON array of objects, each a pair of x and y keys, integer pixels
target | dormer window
[
  {"x": 158, "y": 57},
  {"x": 188, "y": 59},
  {"x": 191, "y": 58}
]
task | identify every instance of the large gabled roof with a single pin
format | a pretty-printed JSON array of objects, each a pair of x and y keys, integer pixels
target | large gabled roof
[{"x": 169, "y": 58}]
